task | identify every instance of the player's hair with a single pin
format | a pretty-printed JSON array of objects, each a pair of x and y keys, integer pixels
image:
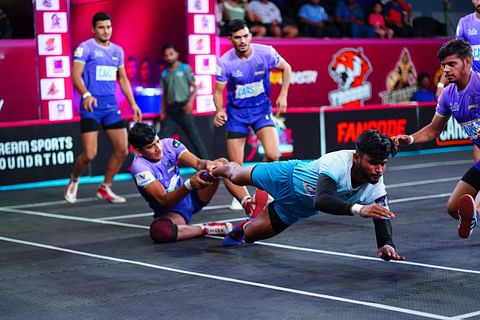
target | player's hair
[
  {"x": 141, "y": 134},
  {"x": 235, "y": 25},
  {"x": 376, "y": 145},
  {"x": 457, "y": 47},
  {"x": 169, "y": 46},
  {"x": 100, "y": 16}
]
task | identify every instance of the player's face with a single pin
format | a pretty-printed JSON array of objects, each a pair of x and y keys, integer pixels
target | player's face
[
  {"x": 241, "y": 40},
  {"x": 152, "y": 151},
  {"x": 372, "y": 169},
  {"x": 103, "y": 30},
  {"x": 455, "y": 69},
  {"x": 170, "y": 56},
  {"x": 476, "y": 5}
]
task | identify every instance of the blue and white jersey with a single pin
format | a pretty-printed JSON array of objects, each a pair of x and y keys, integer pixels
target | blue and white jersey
[
  {"x": 248, "y": 80},
  {"x": 468, "y": 29},
  {"x": 338, "y": 166},
  {"x": 101, "y": 66}
]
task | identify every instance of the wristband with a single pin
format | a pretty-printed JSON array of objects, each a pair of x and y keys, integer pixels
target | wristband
[
  {"x": 356, "y": 208},
  {"x": 188, "y": 185},
  {"x": 86, "y": 95},
  {"x": 411, "y": 139},
  {"x": 440, "y": 85}
]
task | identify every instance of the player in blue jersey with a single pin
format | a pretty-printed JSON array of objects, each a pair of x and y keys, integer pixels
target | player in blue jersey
[
  {"x": 460, "y": 100},
  {"x": 98, "y": 64},
  {"x": 346, "y": 182},
  {"x": 245, "y": 71},
  {"x": 174, "y": 200}
]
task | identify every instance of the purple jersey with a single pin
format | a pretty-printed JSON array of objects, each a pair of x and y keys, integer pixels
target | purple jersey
[
  {"x": 248, "y": 81},
  {"x": 101, "y": 66},
  {"x": 166, "y": 171},
  {"x": 464, "y": 106},
  {"x": 468, "y": 29}
]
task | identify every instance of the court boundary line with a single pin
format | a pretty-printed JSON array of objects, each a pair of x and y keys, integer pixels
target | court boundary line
[
  {"x": 270, "y": 244},
  {"x": 227, "y": 279}
]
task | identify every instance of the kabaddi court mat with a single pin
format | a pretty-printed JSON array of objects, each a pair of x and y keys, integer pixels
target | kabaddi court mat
[{"x": 94, "y": 260}]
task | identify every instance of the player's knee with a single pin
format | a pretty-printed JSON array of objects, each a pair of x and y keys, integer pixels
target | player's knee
[
  {"x": 163, "y": 230},
  {"x": 88, "y": 156}
]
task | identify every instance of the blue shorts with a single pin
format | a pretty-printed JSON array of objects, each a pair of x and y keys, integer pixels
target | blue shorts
[
  {"x": 105, "y": 113},
  {"x": 186, "y": 207},
  {"x": 240, "y": 120},
  {"x": 277, "y": 179}
]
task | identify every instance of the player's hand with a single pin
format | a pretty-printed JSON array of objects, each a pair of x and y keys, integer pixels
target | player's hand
[
  {"x": 402, "y": 140},
  {"x": 376, "y": 211},
  {"x": 387, "y": 253},
  {"x": 89, "y": 103},
  {"x": 281, "y": 105},
  {"x": 137, "y": 113},
  {"x": 197, "y": 182},
  {"x": 220, "y": 118}
]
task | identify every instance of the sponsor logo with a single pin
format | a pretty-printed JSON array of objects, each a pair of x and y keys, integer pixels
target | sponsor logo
[
  {"x": 249, "y": 90},
  {"x": 349, "y": 131},
  {"x": 454, "y": 133},
  {"x": 106, "y": 73},
  {"x": 472, "y": 32},
  {"x": 350, "y": 68},
  {"x": 78, "y": 52},
  {"x": 297, "y": 77}
]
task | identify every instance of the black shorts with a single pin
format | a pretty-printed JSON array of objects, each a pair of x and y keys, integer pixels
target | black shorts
[
  {"x": 277, "y": 224},
  {"x": 89, "y": 124}
]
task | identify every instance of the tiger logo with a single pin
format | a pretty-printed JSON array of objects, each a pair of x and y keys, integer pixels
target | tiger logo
[{"x": 349, "y": 68}]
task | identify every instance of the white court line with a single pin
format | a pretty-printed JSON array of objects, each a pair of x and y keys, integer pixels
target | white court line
[
  {"x": 422, "y": 182},
  {"x": 420, "y": 198},
  {"x": 466, "y": 315},
  {"x": 232, "y": 280},
  {"x": 333, "y": 253}
]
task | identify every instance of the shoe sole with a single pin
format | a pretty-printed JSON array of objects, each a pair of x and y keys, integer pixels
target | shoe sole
[{"x": 466, "y": 210}]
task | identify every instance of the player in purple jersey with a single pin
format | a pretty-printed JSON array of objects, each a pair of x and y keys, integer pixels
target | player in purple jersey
[
  {"x": 460, "y": 99},
  {"x": 468, "y": 29},
  {"x": 157, "y": 177},
  {"x": 97, "y": 65},
  {"x": 245, "y": 71}
]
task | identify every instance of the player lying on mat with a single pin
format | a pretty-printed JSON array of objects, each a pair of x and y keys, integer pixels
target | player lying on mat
[
  {"x": 460, "y": 99},
  {"x": 347, "y": 182},
  {"x": 157, "y": 177}
]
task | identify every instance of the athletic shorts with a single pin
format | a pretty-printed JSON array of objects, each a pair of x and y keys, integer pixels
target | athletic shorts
[
  {"x": 106, "y": 113},
  {"x": 240, "y": 120},
  {"x": 186, "y": 207},
  {"x": 277, "y": 179}
]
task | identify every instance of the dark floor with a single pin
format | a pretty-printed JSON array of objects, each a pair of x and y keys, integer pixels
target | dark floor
[{"x": 94, "y": 260}]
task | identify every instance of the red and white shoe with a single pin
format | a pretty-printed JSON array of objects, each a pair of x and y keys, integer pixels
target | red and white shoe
[
  {"x": 105, "y": 192},
  {"x": 70, "y": 192},
  {"x": 217, "y": 228},
  {"x": 467, "y": 216},
  {"x": 257, "y": 203}
]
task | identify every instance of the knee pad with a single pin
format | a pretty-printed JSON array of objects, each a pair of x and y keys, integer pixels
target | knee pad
[{"x": 163, "y": 230}]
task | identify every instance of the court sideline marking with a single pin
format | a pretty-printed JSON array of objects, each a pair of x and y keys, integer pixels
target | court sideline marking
[
  {"x": 232, "y": 280},
  {"x": 271, "y": 244}
]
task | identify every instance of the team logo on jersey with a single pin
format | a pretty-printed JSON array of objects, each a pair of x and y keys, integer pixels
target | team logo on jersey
[
  {"x": 144, "y": 178},
  {"x": 237, "y": 74},
  {"x": 350, "y": 69},
  {"x": 472, "y": 32},
  {"x": 78, "y": 52},
  {"x": 259, "y": 69},
  {"x": 472, "y": 104},
  {"x": 98, "y": 53},
  {"x": 175, "y": 143}
]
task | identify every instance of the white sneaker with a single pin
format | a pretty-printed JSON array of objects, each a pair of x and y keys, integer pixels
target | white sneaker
[
  {"x": 70, "y": 192},
  {"x": 217, "y": 228},
  {"x": 104, "y": 192},
  {"x": 235, "y": 205}
]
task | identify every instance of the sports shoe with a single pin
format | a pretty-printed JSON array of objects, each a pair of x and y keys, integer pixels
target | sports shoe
[
  {"x": 217, "y": 228},
  {"x": 235, "y": 205},
  {"x": 467, "y": 216},
  {"x": 236, "y": 236},
  {"x": 104, "y": 192},
  {"x": 257, "y": 203},
  {"x": 70, "y": 192}
]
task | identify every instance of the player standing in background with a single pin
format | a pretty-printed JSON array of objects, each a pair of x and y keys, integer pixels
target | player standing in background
[
  {"x": 98, "y": 63},
  {"x": 245, "y": 71}
]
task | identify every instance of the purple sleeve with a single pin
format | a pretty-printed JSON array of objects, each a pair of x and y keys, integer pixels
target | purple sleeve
[
  {"x": 442, "y": 105},
  {"x": 175, "y": 146},
  {"x": 459, "y": 34},
  {"x": 81, "y": 52},
  {"x": 221, "y": 73},
  {"x": 274, "y": 58},
  {"x": 122, "y": 57}
]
